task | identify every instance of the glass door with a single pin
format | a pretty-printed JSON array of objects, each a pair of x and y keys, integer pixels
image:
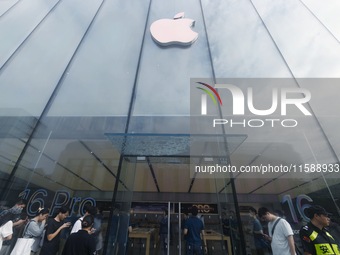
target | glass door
[
  {"x": 217, "y": 221},
  {"x": 148, "y": 218},
  {"x": 156, "y": 186},
  {"x": 119, "y": 222}
]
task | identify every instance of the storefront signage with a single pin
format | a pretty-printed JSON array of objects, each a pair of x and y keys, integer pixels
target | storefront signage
[
  {"x": 176, "y": 31},
  {"x": 300, "y": 206},
  {"x": 202, "y": 208},
  {"x": 42, "y": 198}
]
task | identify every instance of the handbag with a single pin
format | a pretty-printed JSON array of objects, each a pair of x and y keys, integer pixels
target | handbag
[{"x": 23, "y": 246}]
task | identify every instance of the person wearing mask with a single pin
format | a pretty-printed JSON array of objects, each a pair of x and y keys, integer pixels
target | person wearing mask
[
  {"x": 13, "y": 212},
  {"x": 82, "y": 242},
  {"x": 280, "y": 233},
  {"x": 35, "y": 228},
  {"x": 194, "y": 232},
  {"x": 53, "y": 229},
  {"x": 315, "y": 238}
]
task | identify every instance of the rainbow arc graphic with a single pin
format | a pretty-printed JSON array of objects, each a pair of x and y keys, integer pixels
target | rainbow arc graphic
[{"x": 212, "y": 93}]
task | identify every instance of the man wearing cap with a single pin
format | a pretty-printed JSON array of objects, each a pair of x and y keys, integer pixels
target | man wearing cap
[{"x": 315, "y": 238}]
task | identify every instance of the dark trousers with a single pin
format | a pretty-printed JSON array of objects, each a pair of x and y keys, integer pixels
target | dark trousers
[
  {"x": 164, "y": 243},
  {"x": 194, "y": 249}
]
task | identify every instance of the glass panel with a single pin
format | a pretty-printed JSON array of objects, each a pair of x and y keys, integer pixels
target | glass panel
[
  {"x": 155, "y": 182},
  {"x": 69, "y": 22},
  {"x": 239, "y": 42},
  {"x": 120, "y": 240},
  {"x": 19, "y": 23},
  {"x": 165, "y": 72},
  {"x": 326, "y": 112},
  {"x": 300, "y": 36},
  {"x": 15, "y": 132},
  {"x": 6, "y": 6},
  {"x": 160, "y": 124},
  {"x": 175, "y": 144},
  {"x": 103, "y": 71},
  {"x": 58, "y": 170},
  {"x": 327, "y": 13}
]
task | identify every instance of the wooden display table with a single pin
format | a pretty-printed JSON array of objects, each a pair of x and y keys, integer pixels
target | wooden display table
[
  {"x": 211, "y": 235},
  {"x": 143, "y": 233}
]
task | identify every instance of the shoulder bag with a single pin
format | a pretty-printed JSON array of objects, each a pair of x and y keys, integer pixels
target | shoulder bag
[
  {"x": 275, "y": 226},
  {"x": 23, "y": 245}
]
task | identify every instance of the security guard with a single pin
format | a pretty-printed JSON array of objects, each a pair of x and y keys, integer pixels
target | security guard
[{"x": 315, "y": 238}]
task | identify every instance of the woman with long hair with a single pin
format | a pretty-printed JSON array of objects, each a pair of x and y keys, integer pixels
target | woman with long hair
[{"x": 35, "y": 228}]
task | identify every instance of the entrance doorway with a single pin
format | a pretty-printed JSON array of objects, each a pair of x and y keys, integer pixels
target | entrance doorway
[
  {"x": 155, "y": 179},
  {"x": 155, "y": 193}
]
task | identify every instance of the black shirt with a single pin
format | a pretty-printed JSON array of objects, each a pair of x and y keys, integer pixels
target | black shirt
[
  {"x": 317, "y": 241},
  {"x": 80, "y": 243},
  {"x": 51, "y": 247}
]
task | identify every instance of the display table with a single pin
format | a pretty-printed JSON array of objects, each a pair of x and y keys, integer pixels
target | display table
[
  {"x": 143, "y": 233},
  {"x": 211, "y": 235}
]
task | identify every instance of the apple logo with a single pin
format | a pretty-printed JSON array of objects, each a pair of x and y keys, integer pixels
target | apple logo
[{"x": 176, "y": 31}]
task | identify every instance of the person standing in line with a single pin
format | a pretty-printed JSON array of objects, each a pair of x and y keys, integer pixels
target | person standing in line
[
  {"x": 315, "y": 238},
  {"x": 35, "y": 228},
  {"x": 7, "y": 214},
  {"x": 257, "y": 231},
  {"x": 18, "y": 226},
  {"x": 6, "y": 232},
  {"x": 280, "y": 233},
  {"x": 194, "y": 232},
  {"x": 89, "y": 210},
  {"x": 81, "y": 242},
  {"x": 8, "y": 219},
  {"x": 53, "y": 229}
]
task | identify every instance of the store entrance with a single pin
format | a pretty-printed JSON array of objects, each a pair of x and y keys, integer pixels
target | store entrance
[
  {"x": 154, "y": 196},
  {"x": 155, "y": 178}
]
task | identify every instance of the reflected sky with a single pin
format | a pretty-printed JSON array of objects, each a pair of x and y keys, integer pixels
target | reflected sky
[
  {"x": 327, "y": 12},
  {"x": 40, "y": 63},
  {"x": 308, "y": 48},
  {"x": 14, "y": 31},
  {"x": 6, "y": 5},
  {"x": 240, "y": 44},
  {"x": 104, "y": 69}
]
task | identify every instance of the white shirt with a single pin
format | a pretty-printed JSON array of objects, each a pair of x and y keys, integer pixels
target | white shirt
[
  {"x": 77, "y": 225},
  {"x": 280, "y": 245},
  {"x": 5, "y": 231}
]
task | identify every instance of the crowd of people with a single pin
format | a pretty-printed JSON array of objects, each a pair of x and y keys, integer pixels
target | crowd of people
[
  {"x": 315, "y": 237},
  {"x": 84, "y": 237},
  {"x": 44, "y": 235}
]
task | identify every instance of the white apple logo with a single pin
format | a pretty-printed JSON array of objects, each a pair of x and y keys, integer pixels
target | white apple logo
[{"x": 175, "y": 31}]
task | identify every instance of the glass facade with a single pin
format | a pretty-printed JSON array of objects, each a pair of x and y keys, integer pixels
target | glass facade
[{"x": 94, "y": 111}]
